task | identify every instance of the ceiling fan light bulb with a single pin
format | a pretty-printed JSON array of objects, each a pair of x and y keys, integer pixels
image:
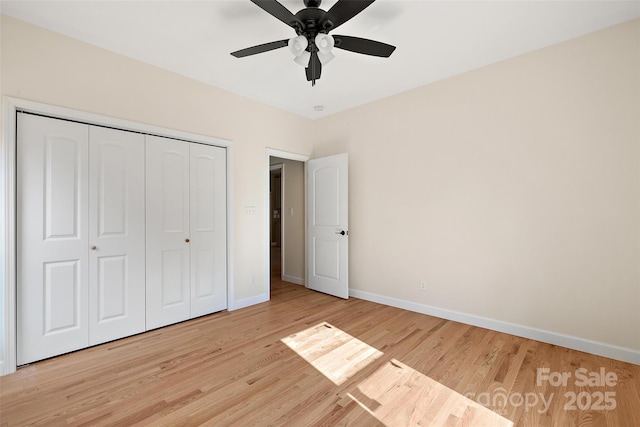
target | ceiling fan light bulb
[
  {"x": 324, "y": 43},
  {"x": 325, "y": 58},
  {"x": 303, "y": 59},
  {"x": 297, "y": 45}
]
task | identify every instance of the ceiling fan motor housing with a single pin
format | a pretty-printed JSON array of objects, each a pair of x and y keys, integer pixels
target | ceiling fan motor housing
[{"x": 311, "y": 17}]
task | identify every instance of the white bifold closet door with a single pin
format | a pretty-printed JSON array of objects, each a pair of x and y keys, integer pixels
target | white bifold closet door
[
  {"x": 116, "y": 234},
  {"x": 80, "y": 234},
  {"x": 208, "y": 226},
  {"x": 186, "y": 230},
  {"x": 52, "y": 237}
]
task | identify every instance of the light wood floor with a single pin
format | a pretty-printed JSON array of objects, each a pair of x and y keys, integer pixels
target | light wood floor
[{"x": 305, "y": 359}]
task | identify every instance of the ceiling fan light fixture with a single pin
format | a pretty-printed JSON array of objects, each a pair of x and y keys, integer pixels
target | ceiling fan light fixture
[
  {"x": 324, "y": 43},
  {"x": 298, "y": 45},
  {"x": 303, "y": 59},
  {"x": 325, "y": 58}
]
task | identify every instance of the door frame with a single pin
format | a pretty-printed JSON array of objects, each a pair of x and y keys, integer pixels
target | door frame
[
  {"x": 272, "y": 152},
  {"x": 10, "y": 108}
]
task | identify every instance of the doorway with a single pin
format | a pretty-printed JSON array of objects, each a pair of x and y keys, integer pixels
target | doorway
[
  {"x": 275, "y": 231},
  {"x": 286, "y": 218}
]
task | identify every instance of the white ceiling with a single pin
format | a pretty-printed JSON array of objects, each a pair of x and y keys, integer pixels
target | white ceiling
[{"x": 434, "y": 39}]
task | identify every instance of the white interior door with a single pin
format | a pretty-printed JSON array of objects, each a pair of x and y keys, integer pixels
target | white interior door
[
  {"x": 116, "y": 234},
  {"x": 167, "y": 196},
  {"x": 208, "y": 226},
  {"x": 328, "y": 225},
  {"x": 52, "y": 237}
]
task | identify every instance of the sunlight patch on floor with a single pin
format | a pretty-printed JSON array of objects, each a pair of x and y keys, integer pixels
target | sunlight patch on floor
[
  {"x": 398, "y": 395},
  {"x": 395, "y": 394},
  {"x": 333, "y": 352}
]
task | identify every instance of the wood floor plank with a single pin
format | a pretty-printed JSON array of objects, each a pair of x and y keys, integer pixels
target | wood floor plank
[{"x": 374, "y": 365}]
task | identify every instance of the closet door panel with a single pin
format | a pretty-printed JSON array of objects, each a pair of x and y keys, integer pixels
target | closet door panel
[
  {"x": 208, "y": 229},
  {"x": 167, "y": 196},
  {"x": 117, "y": 234},
  {"x": 52, "y": 237}
]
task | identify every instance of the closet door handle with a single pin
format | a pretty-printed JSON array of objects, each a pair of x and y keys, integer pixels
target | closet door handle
[
  {"x": 186, "y": 240},
  {"x": 93, "y": 248}
]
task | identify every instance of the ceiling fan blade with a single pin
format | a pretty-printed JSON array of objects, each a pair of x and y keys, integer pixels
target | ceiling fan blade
[
  {"x": 260, "y": 48},
  {"x": 364, "y": 46},
  {"x": 314, "y": 69},
  {"x": 342, "y": 11},
  {"x": 275, "y": 9}
]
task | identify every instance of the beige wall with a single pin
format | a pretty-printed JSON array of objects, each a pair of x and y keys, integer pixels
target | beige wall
[
  {"x": 293, "y": 267},
  {"x": 512, "y": 190},
  {"x": 43, "y": 66}
]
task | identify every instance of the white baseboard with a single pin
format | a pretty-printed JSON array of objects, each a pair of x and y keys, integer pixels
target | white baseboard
[
  {"x": 246, "y": 302},
  {"x": 568, "y": 341},
  {"x": 293, "y": 279}
]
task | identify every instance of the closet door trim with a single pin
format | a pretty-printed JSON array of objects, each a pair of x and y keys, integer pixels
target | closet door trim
[{"x": 11, "y": 106}]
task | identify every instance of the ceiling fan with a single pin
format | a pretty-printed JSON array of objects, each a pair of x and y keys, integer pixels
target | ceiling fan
[{"x": 313, "y": 44}]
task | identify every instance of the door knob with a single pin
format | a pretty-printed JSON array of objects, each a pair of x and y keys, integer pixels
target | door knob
[
  {"x": 93, "y": 248},
  {"x": 186, "y": 240},
  {"x": 342, "y": 232}
]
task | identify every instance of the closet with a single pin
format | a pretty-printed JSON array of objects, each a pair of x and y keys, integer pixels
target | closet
[
  {"x": 99, "y": 215},
  {"x": 186, "y": 231}
]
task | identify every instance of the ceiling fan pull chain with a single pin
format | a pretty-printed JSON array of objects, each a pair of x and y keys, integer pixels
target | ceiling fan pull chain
[{"x": 313, "y": 72}]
